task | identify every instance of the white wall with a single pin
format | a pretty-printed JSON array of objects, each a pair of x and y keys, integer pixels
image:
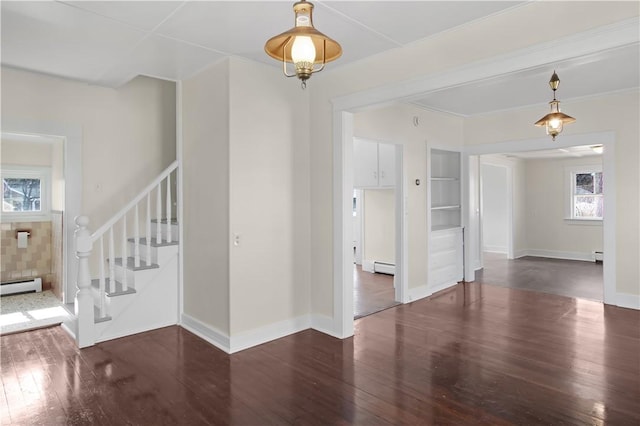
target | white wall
[
  {"x": 494, "y": 208},
  {"x": 205, "y": 168},
  {"x": 128, "y": 134},
  {"x": 395, "y": 124},
  {"x": 548, "y": 232},
  {"x": 379, "y": 225},
  {"x": 246, "y": 180},
  {"x": 521, "y": 27},
  {"x": 269, "y": 198}
]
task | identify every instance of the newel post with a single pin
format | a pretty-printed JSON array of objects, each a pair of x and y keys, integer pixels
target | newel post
[{"x": 84, "y": 299}]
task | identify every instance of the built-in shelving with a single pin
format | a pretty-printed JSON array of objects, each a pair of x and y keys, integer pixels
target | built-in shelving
[
  {"x": 446, "y": 236},
  {"x": 445, "y": 189}
]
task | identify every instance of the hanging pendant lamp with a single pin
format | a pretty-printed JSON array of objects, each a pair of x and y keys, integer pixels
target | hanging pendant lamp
[
  {"x": 303, "y": 46},
  {"x": 555, "y": 120}
]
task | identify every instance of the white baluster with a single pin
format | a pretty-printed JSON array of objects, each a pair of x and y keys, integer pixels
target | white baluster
[
  {"x": 148, "y": 228},
  {"x": 102, "y": 280},
  {"x": 83, "y": 303},
  {"x": 136, "y": 238},
  {"x": 168, "y": 208},
  {"x": 112, "y": 262},
  {"x": 124, "y": 253},
  {"x": 159, "y": 213}
]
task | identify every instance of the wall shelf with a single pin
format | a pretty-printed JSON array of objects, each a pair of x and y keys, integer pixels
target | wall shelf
[{"x": 452, "y": 207}]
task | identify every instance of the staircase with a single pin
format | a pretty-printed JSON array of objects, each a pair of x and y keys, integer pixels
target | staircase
[{"x": 137, "y": 290}]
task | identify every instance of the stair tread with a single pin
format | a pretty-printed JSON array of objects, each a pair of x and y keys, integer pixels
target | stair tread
[
  {"x": 173, "y": 221},
  {"x": 154, "y": 242},
  {"x": 96, "y": 316},
  {"x": 131, "y": 262},
  {"x": 119, "y": 291}
]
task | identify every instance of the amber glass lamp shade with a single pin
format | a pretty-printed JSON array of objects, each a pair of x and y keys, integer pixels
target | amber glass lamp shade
[{"x": 303, "y": 46}]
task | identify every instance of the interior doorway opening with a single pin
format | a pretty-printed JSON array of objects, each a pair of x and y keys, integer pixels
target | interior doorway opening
[
  {"x": 378, "y": 236},
  {"x": 540, "y": 224},
  {"x": 33, "y": 235}
]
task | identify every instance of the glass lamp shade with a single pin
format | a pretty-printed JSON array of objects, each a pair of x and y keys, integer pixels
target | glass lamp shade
[
  {"x": 555, "y": 120},
  {"x": 303, "y": 45}
]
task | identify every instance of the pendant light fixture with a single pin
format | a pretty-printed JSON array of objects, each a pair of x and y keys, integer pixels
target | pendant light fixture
[
  {"x": 555, "y": 120},
  {"x": 303, "y": 46}
]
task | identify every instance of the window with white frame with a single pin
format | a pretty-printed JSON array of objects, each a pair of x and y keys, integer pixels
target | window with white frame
[
  {"x": 25, "y": 193},
  {"x": 586, "y": 200}
]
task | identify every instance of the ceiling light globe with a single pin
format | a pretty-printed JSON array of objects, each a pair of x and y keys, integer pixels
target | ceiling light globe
[{"x": 303, "y": 50}]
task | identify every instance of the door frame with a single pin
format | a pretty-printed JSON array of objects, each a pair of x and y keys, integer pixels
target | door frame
[
  {"x": 607, "y": 139},
  {"x": 72, "y": 154}
]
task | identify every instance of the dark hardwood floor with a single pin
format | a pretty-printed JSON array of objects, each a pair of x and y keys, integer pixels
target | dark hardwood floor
[
  {"x": 371, "y": 292},
  {"x": 571, "y": 278},
  {"x": 476, "y": 354}
]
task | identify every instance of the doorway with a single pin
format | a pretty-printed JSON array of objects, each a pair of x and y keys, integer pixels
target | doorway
[
  {"x": 378, "y": 235},
  {"x": 33, "y": 238},
  {"x": 72, "y": 186},
  {"x": 541, "y": 224}
]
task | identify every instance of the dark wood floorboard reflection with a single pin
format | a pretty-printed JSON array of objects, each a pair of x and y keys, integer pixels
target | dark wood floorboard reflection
[
  {"x": 476, "y": 354},
  {"x": 571, "y": 278},
  {"x": 372, "y": 292}
]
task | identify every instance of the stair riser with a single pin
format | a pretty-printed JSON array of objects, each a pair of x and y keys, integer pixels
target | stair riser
[
  {"x": 154, "y": 306},
  {"x": 163, "y": 230},
  {"x": 145, "y": 254}
]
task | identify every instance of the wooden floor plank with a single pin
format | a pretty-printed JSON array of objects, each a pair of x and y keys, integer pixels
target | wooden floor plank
[{"x": 476, "y": 354}]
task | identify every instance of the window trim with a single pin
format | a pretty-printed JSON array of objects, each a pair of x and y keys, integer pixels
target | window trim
[
  {"x": 36, "y": 172},
  {"x": 570, "y": 173}
]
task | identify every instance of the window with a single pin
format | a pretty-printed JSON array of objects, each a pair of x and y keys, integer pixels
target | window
[
  {"x": 25, "y": 193},
  {"x": 586, "y": 195}
]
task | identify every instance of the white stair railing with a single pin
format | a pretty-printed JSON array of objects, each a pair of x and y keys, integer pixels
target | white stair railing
[{"x": 86, "y": 299}]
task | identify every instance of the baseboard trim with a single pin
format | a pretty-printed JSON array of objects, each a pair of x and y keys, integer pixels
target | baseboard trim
[
  {"x": 423, "y": 291},
  {"x": 566, "y": 255},
  {"x": 368, "y": 266},
  {"x": 269, "y": 332},
  {"x": 417, "y": 293},
  {"x": 519, "y": 253},
  {"x": 134, "y": 330},
  {"x": 323, "y": 324},
  {"x": 626, "y": 300},
  {"x": 495, "y": 249},
  {"x": 206, "y": 332}
]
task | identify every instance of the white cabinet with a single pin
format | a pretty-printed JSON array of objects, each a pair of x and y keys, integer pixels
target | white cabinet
[
  {"x": 446, "y": 255},
  {"x": 374, "y": 164},
  {"x": 446, "y": 239}
]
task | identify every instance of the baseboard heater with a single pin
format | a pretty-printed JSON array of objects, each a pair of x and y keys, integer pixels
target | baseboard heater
[
  {"x": 384, "y": 268},
  {"x": 34, "y": 285}
]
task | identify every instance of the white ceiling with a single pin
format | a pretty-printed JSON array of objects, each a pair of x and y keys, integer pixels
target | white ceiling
[
  {"x": 569, "y": 152},
  {"x": 110, "y": 42}
]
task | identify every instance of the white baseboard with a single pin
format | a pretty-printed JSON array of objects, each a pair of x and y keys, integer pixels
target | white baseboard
[
  {"x": 268, "y": 333},
  {"x": 217, "y": 338},
  {"x": 251, "y": 338},
  {"x": 324, "y": 324},
  {"x": 566, "y": 255},
  {"x": 442, "y": 287},
  {"x": 517, "y": 254},
  {"x": 626, "y": 300},
  {"x": 134, "y": 330},
  {"x": 368, "y": 266},
  {"x": 423, "y": 291},
  {"x": 495, "y": 249},
  {"x": 417, "y": 293}
]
